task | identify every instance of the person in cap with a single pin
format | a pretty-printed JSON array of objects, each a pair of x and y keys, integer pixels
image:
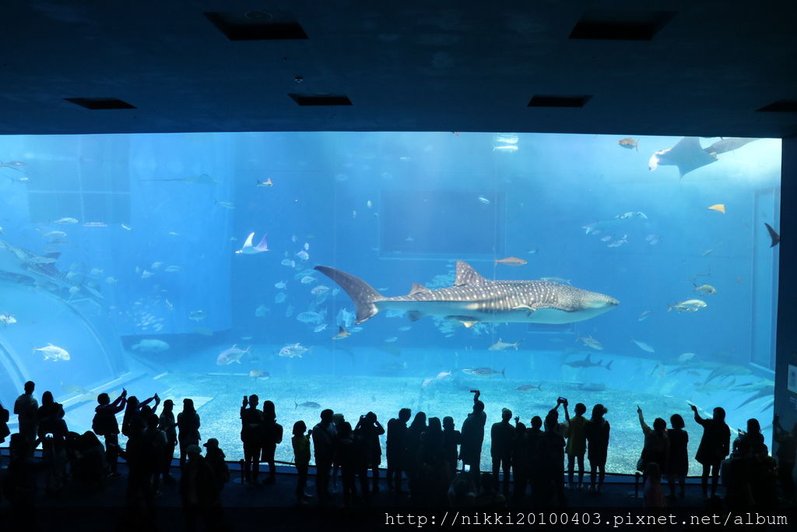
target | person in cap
[{"x": 214, "y": 456}]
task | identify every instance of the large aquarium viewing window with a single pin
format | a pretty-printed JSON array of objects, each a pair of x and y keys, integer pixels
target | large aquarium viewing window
[{"x": 374, "y": 271}]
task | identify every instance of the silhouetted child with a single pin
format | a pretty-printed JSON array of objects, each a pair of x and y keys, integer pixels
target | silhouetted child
[
  {"x": 576, "y": 443},
  {"x": 652, "y": 490},
  {"x": 301, "y": 457},
  {"x": 198, "y": 490},
  {"x": 105, "y": 424},
  {"x": 215, "y": 459},
  {"x": 451, "y": 441}
]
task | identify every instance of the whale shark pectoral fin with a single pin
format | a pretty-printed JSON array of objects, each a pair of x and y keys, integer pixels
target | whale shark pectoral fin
[
  {"x": 529, "y": 310},
  {"x": 467, "y": 321}
]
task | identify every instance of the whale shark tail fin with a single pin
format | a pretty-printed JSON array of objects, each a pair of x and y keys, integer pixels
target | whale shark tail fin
[{"x": 359, "y": 291}]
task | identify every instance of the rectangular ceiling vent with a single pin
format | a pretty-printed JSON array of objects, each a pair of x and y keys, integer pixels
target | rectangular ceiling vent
[
  {"x": 618, "y": 25},
  {"x": 257, "y": 26},
  {"x": 559, "y": 101},
  {"x": 320, "y": 99},
  {"x": 780, "y": 106},
  {"x": 96, "y": 104}
]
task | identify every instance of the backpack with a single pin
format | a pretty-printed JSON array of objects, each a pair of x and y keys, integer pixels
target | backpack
[
  {"x": 277, "y": 433},
  {"x": 4, "y": 430},
  {"x": 95, "y": 424}
]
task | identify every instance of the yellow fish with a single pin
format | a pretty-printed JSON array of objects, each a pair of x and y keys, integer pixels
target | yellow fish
[
  {"x": 629, "y": 143},
  {"x": 719, "y": 207}
]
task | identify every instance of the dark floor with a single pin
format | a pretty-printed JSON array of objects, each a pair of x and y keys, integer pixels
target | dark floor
[{"x": 273, "y": 507}]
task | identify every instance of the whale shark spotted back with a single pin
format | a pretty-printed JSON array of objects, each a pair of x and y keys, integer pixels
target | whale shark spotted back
[{"x": 473, "y": 299}]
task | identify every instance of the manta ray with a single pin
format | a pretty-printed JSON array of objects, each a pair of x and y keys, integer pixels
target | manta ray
[
  {"x": 689, "y": 155},
  {"x": 474, "y": 299}
]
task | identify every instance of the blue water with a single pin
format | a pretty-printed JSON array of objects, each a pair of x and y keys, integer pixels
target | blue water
[{"x": 159, "y": 217}]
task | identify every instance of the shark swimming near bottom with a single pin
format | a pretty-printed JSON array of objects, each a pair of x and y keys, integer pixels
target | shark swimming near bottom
[{"x": 474, "y": 299}]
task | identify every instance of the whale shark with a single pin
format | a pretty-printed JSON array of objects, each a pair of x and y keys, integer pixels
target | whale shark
[{"x": 474, "y": 299}]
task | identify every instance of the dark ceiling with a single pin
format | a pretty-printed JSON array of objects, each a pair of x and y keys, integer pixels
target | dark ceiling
[{"x": 703, "y": 68}]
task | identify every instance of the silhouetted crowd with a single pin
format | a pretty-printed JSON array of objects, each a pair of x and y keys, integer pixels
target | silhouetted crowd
[{"x": 535, "y": 465}]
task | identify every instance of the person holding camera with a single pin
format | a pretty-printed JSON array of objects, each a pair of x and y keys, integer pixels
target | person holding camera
[
  {"x": 470, "y": 450},
  {"x": 251, "y": 428},
  {"x": 369, "y": 430}
]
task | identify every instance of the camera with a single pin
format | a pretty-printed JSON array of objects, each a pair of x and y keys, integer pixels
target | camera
[{"x": 561, "y": 400}]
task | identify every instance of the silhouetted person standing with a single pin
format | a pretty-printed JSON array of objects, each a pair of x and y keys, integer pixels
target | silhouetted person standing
[
  {"x": 168, "y": 425},
  {"x": 472, "y": 438},
  {"x": 519, "y": 461},
  {"x": 787, "y": 449},
  {"x": 533, "y": 437},
  {"x": 656, "y": 446},
  {"x": 412, "y": 446},
  {"x": 26, "y": 408},
  {"x": 4, "y": 417},
  {"x": 198, "y": 491},
  {"x": 135, "y": 419},
  {"x": 394, "y": 448},
  {"x": 552, "y": 460},
  {"x": 251, "y": 436},
  {"x": 678, "y": 463},
  {"x": 451, "y": 440},
  {"x": 106, "y": 425},
  {"x": 215, "y": 458},
  {"x": 188, "y": 425},
  {"x": 597, "y": 431},
  {"x": 576, "y": 443},
  {"x": 324, "y": 436},
  {"x": 51, "y": 433},
  {"x": 502, "y": 436},
  {"x": 369, "y": 430},
  {"x": 301, "y": 457},
  {"x": 714, "y": 447},
  {"x": 270, "y": 436}
]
